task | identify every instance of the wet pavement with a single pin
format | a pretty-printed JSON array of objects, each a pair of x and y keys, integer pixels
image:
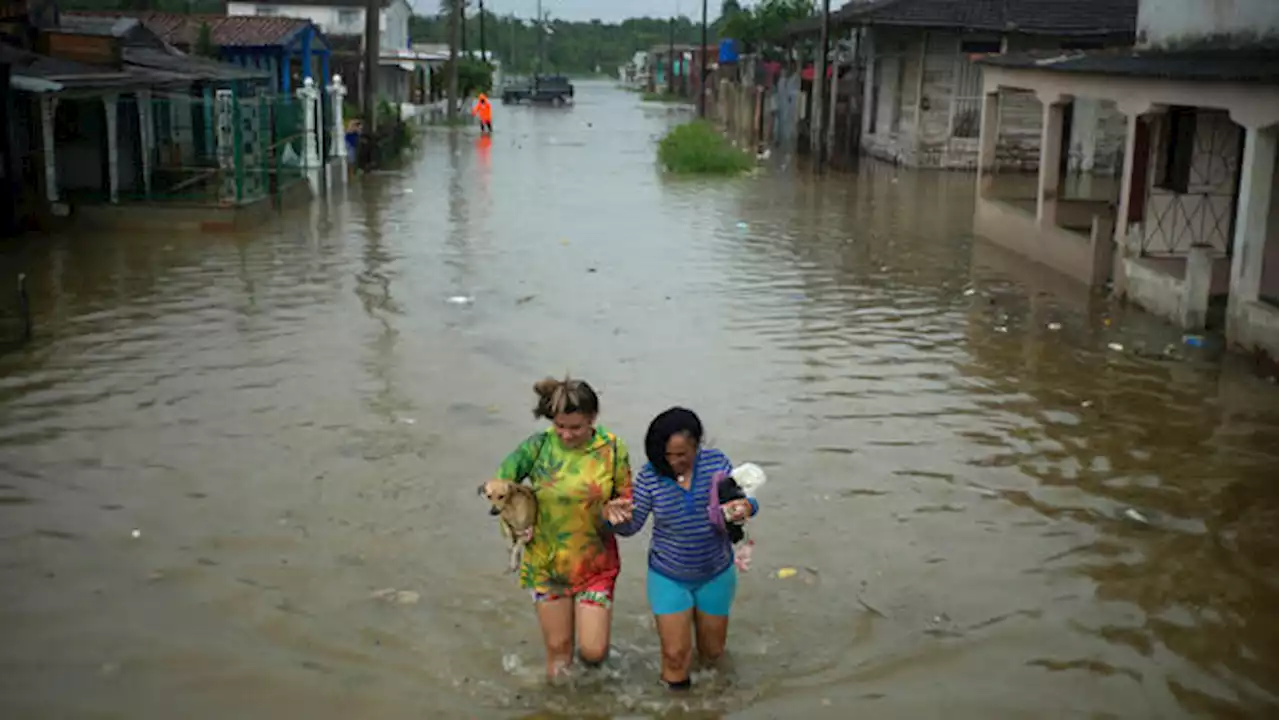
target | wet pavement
[{"x": 237, "y": 474}]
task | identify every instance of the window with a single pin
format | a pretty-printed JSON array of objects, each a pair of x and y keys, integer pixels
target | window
[
  {"x": 979, "y": 47},
  {"x": 1177, "y": 147},
  {"x": 348, "y": 17}
]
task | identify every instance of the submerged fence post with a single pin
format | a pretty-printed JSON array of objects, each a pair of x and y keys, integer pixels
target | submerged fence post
[{"x": 24, "y": 306}]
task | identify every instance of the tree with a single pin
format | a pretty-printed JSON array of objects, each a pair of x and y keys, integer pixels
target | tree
[{"x": 204, "y": 46}]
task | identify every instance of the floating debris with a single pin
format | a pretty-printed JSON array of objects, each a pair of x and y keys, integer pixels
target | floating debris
[
  {"x": 407, "y": 420},
  {"x": 1136, "y": 516},
  {"x": 460, "y": 300},
  {"x": 525, "y": 299},
  {"x": 1193, "y": 340},
  {"x": 970, "y": 292},
  {"x": 1054, "y": 326},
  {"x": 742, "y": 225},
  {"x": 786, "y": 572},
  {"x": 1115, "y": 346},
  {"x": 398, "y": 597},
  {"x": 1001, "y": 329},
  {"x": 1086, "y": 404},
  {"x": 136, "y": 533}
]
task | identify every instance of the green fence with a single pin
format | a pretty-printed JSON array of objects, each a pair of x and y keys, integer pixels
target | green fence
[{"x": 221, "y": 148}]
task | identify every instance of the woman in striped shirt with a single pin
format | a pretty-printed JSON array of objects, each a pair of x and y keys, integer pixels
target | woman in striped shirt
[{"x": 692, "y": 578}]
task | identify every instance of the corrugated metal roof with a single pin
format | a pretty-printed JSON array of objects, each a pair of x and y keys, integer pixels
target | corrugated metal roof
[
  {"x": 1058, "y": 17},
  {"x": 1032, "y": 17},
  {"x": 224, "y": 30}
]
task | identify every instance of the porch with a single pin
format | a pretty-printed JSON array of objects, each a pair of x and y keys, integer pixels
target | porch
[{"x": 1189, "y": 231}]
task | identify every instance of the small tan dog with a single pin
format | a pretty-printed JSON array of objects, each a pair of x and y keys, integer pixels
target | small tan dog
[{"x": 517, "y": 507}]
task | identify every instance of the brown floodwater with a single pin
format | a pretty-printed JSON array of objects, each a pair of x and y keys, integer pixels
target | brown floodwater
[{"x": 992, "y": 512}]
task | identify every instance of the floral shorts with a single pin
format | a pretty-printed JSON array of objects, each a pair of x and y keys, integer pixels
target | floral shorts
[{"x": 597, "y": 592}]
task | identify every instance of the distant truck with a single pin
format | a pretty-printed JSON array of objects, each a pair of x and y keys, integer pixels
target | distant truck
[{"x": 549, "y": 89}]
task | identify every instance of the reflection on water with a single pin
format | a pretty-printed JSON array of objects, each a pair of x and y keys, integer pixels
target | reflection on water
[{"x": 991, "y": 508}]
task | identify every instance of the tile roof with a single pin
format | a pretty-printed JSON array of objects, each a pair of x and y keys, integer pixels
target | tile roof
[
  {"x": 225, "y": 30},
  {"x": 1254, "y": 65}
]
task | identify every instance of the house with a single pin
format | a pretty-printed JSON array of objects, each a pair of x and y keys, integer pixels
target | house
[
  {"x": 677, "y": 68},
  {"x": 104, "y": 110},
  {"x": 922, "y": 90},
  {"x": 1189, "y": 231},
  {"x": 343, "y": 22},
  {"x": 289, "y": 49}
]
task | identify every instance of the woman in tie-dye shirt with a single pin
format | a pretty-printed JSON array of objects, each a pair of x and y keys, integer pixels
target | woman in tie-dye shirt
[{"x": 570, "y": 566}]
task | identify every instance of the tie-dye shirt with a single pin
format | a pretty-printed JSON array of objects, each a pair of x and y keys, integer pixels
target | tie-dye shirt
[{"x": 568, "y": 551}]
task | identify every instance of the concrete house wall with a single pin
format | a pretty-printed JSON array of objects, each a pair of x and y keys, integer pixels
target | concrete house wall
[{"x": 924, "y": 97}]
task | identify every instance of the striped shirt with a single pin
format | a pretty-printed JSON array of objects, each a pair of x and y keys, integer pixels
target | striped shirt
[{"x": 685, "y": 545}]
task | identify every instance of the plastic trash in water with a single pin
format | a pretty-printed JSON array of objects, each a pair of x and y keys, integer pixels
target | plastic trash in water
[
  {"x": 969, "y": 292},
  {"x": 1054, "y": 326},
  {"x": 786, "y": 572},
  {"x": 1115, "y": 346},
  {"x": 742, "y": 225},
  {"x": 1194, "y": 341},
  {"x": 1136, "y": 516},
  {"x": 460, "y": 300},
  {"x": 136, "y": 533}
]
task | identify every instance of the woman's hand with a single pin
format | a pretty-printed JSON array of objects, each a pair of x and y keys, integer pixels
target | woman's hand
[
  {"x": 737, "y": 510},
  {"x": 618, "y": 510}
]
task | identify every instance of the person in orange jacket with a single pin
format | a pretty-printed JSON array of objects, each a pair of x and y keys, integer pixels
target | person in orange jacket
[{"x": 484, "y": 112}]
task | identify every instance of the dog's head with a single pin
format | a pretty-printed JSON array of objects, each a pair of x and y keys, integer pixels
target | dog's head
[{"x": 498, "y": 493}]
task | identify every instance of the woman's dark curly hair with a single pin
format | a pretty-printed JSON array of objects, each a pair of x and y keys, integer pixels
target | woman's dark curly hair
[{"x": 675, "y": 421}]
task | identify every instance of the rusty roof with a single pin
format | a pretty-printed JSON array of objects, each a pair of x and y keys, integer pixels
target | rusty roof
[
  {"x": 224, "y": 30},
  {"x": 1058, "y": 17}
]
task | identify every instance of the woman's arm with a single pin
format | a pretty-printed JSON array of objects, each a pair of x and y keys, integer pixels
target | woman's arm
[
  {"x": 642, "y": 504},
  {"x": 519, "y": 464},
  {"x": 726, "y": 467}
]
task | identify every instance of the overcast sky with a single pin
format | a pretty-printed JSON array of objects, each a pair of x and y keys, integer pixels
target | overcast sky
[{"x": 606, "y": 10}]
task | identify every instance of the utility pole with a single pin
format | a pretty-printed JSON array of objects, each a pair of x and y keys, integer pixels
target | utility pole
[
  {"x": 671, "y": 57},
  {"x": 702, "y": 83},
  {"x": 542, "y": 30},
  {"x": 455, "y": 11},
  {"x": 817, "y": 122},
  {"x": 482, "y": 49},
  {"x": 372, "y": 43}
]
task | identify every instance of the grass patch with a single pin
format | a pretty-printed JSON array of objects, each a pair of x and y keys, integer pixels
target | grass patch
[
  {"x": 697, "y": 148},
  {"x": 664, "y": 97}
]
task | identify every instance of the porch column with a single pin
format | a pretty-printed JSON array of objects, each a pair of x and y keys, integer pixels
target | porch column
[
  {"x": 310, "y": 98},
  {"x": 337, "y": 92},
  {"x": 145, "y": 135},
  {"x": 868, "y": 44},
  {"x": 110, "y": 103},
  {"x": 1050, "y": 162},
  {"x": 306, "y": 54},
  {"x": 284, "y": 73},
  {"x": 988, "y": 134},
  {"x": 48, "y": 112},
  {"x": 1253, "y": 204}
]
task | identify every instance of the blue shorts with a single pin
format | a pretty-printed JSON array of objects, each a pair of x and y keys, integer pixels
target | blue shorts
[{"x": 710, "y": 597}]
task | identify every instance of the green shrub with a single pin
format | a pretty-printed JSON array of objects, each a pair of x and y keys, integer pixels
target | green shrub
[{"x": 697, "y": 148}]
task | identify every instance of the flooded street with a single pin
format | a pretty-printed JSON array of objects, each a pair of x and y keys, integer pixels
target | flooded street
[{"x": 993, "y": 513}]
